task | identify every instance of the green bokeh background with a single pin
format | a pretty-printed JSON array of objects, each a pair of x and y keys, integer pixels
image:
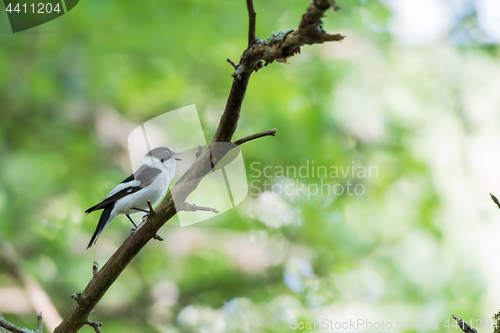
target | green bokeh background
[{"x": 418, "y": 245}]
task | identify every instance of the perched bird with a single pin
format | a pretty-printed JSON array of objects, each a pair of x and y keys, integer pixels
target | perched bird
[{"x": 149, "y": 182}]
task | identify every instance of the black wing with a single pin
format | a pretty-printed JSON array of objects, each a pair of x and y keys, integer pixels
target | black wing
[{"x": 145, "y": 175}]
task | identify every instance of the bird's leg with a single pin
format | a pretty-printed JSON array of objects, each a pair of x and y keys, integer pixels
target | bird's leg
[
  {"x": 142, "y": 210},
  {"x": 148, "y": 213},
  {"x": 132, "y": 230}
]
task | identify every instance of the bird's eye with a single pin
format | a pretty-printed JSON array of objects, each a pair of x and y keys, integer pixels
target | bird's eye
[{"x": 162, "y": 160}]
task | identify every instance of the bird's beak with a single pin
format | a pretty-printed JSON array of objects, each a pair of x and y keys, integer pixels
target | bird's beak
[{"x": 178, "y": 159}]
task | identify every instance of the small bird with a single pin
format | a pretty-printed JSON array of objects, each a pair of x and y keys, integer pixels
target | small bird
[{"x": 149, "y": 182}]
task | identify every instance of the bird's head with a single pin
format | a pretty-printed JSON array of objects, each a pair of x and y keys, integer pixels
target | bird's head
[{"x": 163, "y": 155}]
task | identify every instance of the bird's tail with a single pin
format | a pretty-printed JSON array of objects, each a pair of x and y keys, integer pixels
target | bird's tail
[{"x": 103, "y": 223}]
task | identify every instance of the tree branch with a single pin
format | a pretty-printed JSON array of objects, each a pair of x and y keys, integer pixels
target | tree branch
[
  {"x": 255, "y": 136},
  {"x": 251, "y": 22},
  {"x": 315, "y": 12},
  {"x": 277, "y": 47},
  {"x": 13, "y": 328}
]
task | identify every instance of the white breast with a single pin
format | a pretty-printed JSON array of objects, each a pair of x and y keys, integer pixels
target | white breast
[{"x": 154, "y": 193}]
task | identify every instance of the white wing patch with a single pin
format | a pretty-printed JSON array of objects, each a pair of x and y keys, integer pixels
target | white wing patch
[{"x": 122, "y": 186}]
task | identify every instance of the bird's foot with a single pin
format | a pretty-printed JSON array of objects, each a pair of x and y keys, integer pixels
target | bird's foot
[
  {"x": 144, "y": 217},
  {"x": 132, "y": 230}
]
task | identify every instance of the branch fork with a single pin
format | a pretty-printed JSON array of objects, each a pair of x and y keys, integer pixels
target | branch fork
[
  {"x": 95, "y": 325},
  {"x": 283, "y": 45}
]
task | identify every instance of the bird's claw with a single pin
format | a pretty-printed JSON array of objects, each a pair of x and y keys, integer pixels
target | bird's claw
[
  {"x": 144, "y": 217},
  {"x": 132, "y": 230}
]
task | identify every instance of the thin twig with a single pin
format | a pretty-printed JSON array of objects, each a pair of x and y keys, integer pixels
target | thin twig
[
  {"x": 1, "y": 327},
  {"x": 158, "y": 238},
  {"x": 232, "y": 63},
  {"x": 95, "y": 268},
  {"x": 76, "y": 296},
  {"x": 95, "y": 325},
  {"x": 39, "y": 322},
  {"x": 255, "y": 136},
  {"x": 200, "y": 151},
  {"x": 495, "y": 200},
  {"x": 496, "y": 319},
  {"x": 463, "y": 325},
  {"x": 193, "y": 208},
  {"x": 151, "y": 210},
  {"x": 13, "y": 328},
  {"x": 251, "y": 23}
]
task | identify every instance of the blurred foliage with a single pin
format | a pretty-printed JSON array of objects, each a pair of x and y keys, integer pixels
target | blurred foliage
[{"x": 416, "y": 246}]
